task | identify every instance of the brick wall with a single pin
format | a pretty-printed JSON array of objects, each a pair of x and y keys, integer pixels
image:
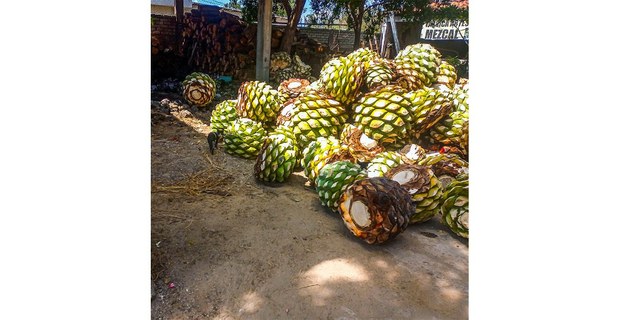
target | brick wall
[
  {"x": 163, "y": 28},
  {"x": 165, "y": 62}
]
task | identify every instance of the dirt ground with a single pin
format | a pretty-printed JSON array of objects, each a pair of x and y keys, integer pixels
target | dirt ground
[{"x": 227, "y": 247}]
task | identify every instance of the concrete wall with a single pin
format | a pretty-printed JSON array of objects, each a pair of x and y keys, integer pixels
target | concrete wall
[
  {"x": 162, "y": 10},
  {"x": 344, "y": 38},
  {"x": 164, "y": 7}
]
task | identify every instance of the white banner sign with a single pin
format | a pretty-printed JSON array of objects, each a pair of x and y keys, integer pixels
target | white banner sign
[{"x": 445, "y": 30}]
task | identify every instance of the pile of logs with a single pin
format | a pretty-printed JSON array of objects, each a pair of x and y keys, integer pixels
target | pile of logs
[
  {"x": 307, "y": 45},
  {"x": 220, "y": 43},
  {"x": 220, "y": 47}
]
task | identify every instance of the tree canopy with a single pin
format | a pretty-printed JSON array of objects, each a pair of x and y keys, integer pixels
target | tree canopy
[
  {"x": 249, "y": 8},
  {"x": 368, "y": 14},
  {"x": 233, "y": 4},
  {"x": 291, "y": 9}
]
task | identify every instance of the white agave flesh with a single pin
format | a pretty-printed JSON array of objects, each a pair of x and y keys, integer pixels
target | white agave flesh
[
  {"x": 294, "y": 85},
  {"x": 367, "y": 142},
  {"x": 359, "y": 213},
  {"x": 460, "y": 201},
  {"x": 413, "y": 153},
  {"x": 288, "y": 110},
  {"x": 465, "y": 219},
  {"x": 404, "y": 176}
]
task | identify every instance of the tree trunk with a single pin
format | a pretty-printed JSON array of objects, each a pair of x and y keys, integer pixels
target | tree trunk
[
  {"x": 357, "y": 15},
  {"x": 291, "y": 27},
  {"x": 357, "y": 32},
  {"x": 287, "y": 7}
]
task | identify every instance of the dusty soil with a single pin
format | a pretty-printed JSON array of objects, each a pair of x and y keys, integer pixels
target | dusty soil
[{"x": 227, "y": 247}]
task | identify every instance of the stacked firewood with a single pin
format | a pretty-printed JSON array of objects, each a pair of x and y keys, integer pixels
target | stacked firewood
[
  {"x": 302, "y": 42},
  {"x": 226, "y": 45},
  {"x": 221, "y": 47},
  {"x": 305, "y": 44}
]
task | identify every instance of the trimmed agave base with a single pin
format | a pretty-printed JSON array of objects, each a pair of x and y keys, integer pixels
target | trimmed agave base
[
  {"x": 376, "y": 209},
  {"x": 198, "y": 89},
  {"x": 423, "y": 186}
]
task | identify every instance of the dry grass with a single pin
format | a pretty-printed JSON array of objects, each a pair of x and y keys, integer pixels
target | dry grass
[{"x": 206, "y": 181}]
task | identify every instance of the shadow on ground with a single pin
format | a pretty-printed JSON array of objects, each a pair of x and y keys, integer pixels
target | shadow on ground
[{"x": 261, "y": 252}]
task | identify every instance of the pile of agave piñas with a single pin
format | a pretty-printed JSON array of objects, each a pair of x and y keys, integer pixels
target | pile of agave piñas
[
  {"x": 198, "y": 89},
  {"x": 284, "y": 66},
  {"x": 383, "y": 142}
]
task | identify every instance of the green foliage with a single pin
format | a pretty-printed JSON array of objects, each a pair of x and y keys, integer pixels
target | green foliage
[
  {"x": 373, "y": 18},
  {"x": 424, "y": 11},
  {"x": 326, "y": 11},
  {"x": 280, "y": 10},
  {"x": 450, "y": 13},
  {"x": 249, "y": 10},
  {"x": 410, "y": 10},
  {"x": 233, "y": 4},
  {"x": 461, "y": 66},
  {"x": 375, "y": 11}
]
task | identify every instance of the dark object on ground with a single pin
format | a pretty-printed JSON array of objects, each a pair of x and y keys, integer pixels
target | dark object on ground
[{"x": 213, "y": 138}]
